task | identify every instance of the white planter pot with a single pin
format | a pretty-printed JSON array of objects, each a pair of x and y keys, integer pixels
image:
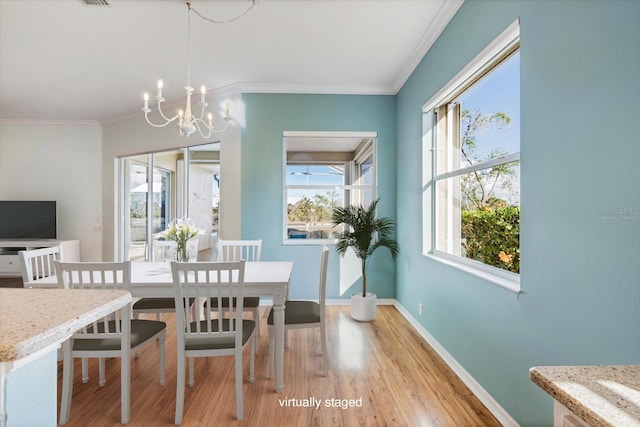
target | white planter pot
[{"x": 363, "y": 309}]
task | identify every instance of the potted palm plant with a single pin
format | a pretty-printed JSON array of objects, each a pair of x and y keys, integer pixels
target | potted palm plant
[{"x": 364, "y": 233}]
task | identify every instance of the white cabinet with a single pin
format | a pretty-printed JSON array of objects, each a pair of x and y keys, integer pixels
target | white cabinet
[
  {"x": 10, "y": 264},
  {"x": 563, "y": 417}
]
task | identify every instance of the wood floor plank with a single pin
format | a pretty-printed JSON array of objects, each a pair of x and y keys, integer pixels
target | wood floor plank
[{"x": 387, "y": 373}]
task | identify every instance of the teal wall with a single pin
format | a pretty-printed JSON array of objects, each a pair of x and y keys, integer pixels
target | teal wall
[
  {"x": 267, "y": 117},
  {"x": 580, "y": 276}
]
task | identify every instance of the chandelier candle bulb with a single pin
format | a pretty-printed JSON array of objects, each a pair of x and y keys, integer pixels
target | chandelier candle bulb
[
  {"x": 203, "y": 91},
  {"x": 146, "y": 101},
  {"x": 160, "y": 88}
]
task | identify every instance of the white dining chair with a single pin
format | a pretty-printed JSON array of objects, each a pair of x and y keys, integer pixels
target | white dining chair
[
  {"x": 38, "y": 263},
  {"x": 211, "y": 336},
  {"x": 305, "y": 314},
  {"x": 163, "y": 251},
  {"x": 250, "y": 251},
  {"x": 113, "y": 336}
]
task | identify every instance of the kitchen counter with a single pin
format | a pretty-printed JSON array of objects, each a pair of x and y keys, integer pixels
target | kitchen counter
[
  {"x": 33, "y": 324},
  {"x": 34, "y": 319},
  {"x": 599, "y": 395}
]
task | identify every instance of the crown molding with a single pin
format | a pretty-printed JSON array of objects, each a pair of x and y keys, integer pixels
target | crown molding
[
  {"x": 50, "y": 122},
  {"x": 434, "y": 28},
  {"x": 314, "y": 89}
]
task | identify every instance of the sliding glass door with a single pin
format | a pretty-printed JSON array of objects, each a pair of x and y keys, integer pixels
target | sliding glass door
[
  {"x": 145, "y": 209},
  {"x": 155, "y": 188}
]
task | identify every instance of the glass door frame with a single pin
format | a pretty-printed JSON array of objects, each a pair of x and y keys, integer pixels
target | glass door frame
[{"x": 124, "y": 206}]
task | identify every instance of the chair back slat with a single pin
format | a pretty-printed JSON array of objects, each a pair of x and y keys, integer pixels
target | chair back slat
[
  {"x": 38, "y": 263},
  {"x": 96, "y": 275},
  {"x": 221, "y": 281},
  {"x": 236, "y": 250}
]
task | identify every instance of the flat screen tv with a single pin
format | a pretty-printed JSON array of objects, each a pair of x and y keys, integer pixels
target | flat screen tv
[{"x": 28, "y": 219}]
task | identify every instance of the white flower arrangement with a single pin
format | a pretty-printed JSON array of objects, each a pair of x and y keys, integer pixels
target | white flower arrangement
[{"x": 180, "y": 231}]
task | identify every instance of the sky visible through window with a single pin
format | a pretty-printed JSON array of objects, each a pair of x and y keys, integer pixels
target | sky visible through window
[{"x": 499, "y": 91}]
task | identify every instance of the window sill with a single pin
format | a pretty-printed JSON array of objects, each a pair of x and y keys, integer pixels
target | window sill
[
  {"x": 511, "y": 284},
  {"x": 308, "y": 242}
]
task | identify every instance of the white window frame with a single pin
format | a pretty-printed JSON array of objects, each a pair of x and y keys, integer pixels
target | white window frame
[
  {"x": 350, "y": 173},
  {"x": 485, "y": 61}
]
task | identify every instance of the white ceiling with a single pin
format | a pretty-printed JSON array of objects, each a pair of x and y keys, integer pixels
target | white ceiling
[{"x": 64, "y": 60}]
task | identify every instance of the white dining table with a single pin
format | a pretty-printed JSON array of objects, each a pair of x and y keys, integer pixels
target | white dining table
[{"x": 261, "y": 279}]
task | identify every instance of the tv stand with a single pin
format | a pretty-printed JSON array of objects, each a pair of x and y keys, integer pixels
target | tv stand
[{"x": 10, "y": 264}]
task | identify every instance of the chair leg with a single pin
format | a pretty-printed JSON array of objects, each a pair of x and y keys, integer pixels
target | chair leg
[
  {"x": 325, "y": 355},
  {"x": 252, "y": 357},
  {"x": 161, "y": 342},
  {"x": 85, "y": 370},
  {"x": 256, "y": 318},
  {"x": 271, "y": 352},
  {"x": 191, "y": 369},
  {"x": 67, "y": 380},
  {"x": 180, "y": 389},
  {"x": 239, "y": 414},
  {"x": 125, "y": 366},
  {"x": 101, "y": 371},
  {"x": 125, "y": 378}
]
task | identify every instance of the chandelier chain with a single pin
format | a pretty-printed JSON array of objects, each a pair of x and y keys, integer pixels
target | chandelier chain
[
  {"x": 253, "y": 4},
  {"x": 188, "y": 44}
]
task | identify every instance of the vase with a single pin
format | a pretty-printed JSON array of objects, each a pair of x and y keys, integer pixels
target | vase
[
  {"x": 182, "y": 254},
  {"x": 185, "y": 251}
]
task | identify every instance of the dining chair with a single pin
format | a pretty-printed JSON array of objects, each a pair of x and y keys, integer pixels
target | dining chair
[
  {"x": 38, "y": 263},
  {"x": 250, "y": 251},
  {"x": 113, "y": 336},
  {"x": 163, "y": 251},
  {"x": 212, "y": 336},
  {"x": 305, "y": 314}
]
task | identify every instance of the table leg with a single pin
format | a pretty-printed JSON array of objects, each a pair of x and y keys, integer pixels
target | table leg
[{"x": 278, "y": 323}]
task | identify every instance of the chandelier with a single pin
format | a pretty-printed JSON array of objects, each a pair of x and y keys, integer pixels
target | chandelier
[{"x": 187, "y": 122}]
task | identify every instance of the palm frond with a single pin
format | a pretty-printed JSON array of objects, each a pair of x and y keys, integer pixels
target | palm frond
[{"x": 364, "y": 233}]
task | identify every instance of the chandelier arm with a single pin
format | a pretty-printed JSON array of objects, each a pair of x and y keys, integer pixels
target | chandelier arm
[
  {"x": 202, "y": 133},
  {"x": 169, "y": 120},
  {"x": 146, "y": 116},
  {"x": 203, "y": 105}
]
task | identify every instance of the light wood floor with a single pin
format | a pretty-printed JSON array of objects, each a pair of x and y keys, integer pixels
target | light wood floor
[{"x": 384, "y": 365}]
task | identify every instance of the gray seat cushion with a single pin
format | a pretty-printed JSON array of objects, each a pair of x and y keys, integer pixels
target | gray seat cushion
[
  {"x": 157, "y": 303},
  {"x": 218, "y": 343},
  {"x": 248, "y": 302},
  {"x": 297, "y": 312},
  {"x": 141, "y": 330}
]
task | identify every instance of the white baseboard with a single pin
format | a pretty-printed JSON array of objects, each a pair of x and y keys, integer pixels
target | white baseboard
[
  {"x": 483, "y": 395},
  {"x": 338, "y": 301}
]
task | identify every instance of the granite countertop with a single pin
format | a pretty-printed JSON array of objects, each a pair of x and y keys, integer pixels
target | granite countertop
[
  {"x": 600, "y": 395},
  {"x": 32, "y": 319}
]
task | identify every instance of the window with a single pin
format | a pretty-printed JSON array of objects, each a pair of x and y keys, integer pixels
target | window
[
  {"x": 474, "y": 188},
  {"x": 324, "y": 170}
]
